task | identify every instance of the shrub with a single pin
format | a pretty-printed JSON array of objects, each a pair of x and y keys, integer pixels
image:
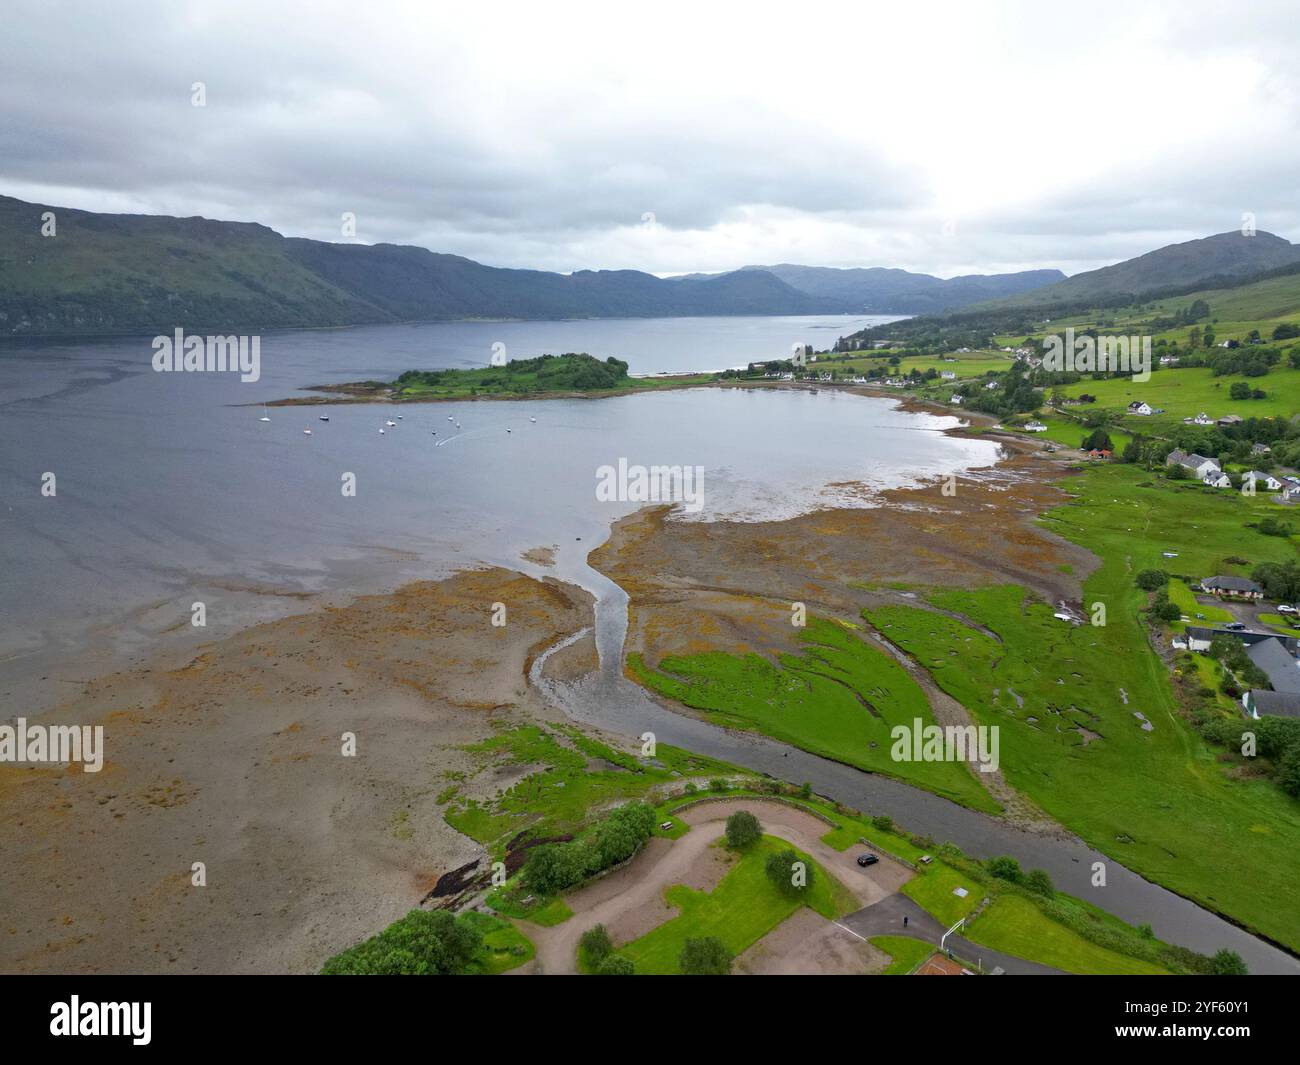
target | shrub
[
  {"x": 1037, "y": 881},
  {"x": 791, "y": 875},
  {"x": 614, "y": 965},
  {"x": 1227, "y": 963},
  {"x": 883, "y": 822},
  {"x": 1151, "y": 579},
  {"x": 706, "y": 956},
  {"x": 1005, "y": 867},
  {"x": 596, "y": 945},
  {"x": 423, "y": 943},
  {"x": 743, "y": 829}
]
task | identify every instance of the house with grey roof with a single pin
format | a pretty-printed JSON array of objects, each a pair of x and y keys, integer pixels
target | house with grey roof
[
  {"x": 1198, "y": 465},
  {"x": 1232, "y": 588},
  {"x": 1259, "y": 703},
  {"x": 1278, "y": 664}
]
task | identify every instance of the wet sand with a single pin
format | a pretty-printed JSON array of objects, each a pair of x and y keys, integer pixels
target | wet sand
[{"x": 233, "y": 757}]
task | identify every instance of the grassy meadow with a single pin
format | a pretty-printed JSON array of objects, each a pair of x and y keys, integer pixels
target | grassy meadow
[{"x": 838, "y": 698}]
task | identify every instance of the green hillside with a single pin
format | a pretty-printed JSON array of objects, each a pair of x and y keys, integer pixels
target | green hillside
[{"x": 103, "y": 273}]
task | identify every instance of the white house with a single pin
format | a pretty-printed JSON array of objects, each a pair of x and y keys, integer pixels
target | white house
[
  {"x": 1217, "y": 479},
  {"x": 955, "y": 398},
  {"x": 1198, "y": 465},
  {"x": 1035, "y": 427},
  {"x": 1138, "y": 407},
  {"x": 1258, "y": 477},
  {"x": 948, "y": 375}
]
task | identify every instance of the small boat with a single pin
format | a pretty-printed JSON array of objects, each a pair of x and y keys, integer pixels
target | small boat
[
  {"x": 509, "y": 430},
  {"x": 435, "y": 432},
  {"x": 265, "y": 417},
  {"x": 306, "y": 432},
  {"x": 450, "y": 418},
  {"x": 390, "y": 423},
  {"x": 532, "y": 419},
  {"x": 324, "y": 417},
  {"x": 458, "y": 425},
  {"x": 381, "y": 432},
  {"x": 399, "y": 417}
]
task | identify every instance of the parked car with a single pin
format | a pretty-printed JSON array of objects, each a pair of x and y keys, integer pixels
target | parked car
[
  {"x": 1236, "y": 626},
  {"x": 1286, "y": 608},
  {"x": 665, "y": 826},
  {"x": 867, "y": 859}
]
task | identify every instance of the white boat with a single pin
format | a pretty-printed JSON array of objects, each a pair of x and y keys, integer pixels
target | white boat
[
  {"x": 450, "y": 418},
  {"x": 390, "y": 423},
  {"x": 532, "y": 419},
  {"x": 265, "y": 417},
  {"x": 458, "y": 425},
  {"x": 381, "y": 432},
  {"x": 306, "y": 432},
  {"x": 324, "y": 417},
  {"x": 509, "y": 430}
]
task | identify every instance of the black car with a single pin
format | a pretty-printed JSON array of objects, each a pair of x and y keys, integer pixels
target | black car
[
  {"x": 867, "y": 859},
  {"x": 1235, "y": 626}
]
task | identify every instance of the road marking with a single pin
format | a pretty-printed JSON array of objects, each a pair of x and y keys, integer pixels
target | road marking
[{"x": 848, "y": 930}]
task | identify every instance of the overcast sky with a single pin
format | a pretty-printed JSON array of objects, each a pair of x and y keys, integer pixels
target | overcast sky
[{"x": 975, "y": 137}]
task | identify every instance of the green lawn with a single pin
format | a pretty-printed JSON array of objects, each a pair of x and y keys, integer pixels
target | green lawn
[
  {"x": 1186, "y": 393},
  {"x": 1069, "y": 434},
  {"x": 504, "y": 946},
  {"x": 743, "y": 908},
  {"x": 1182, "y": 595},
  {"x": 1016, "y": 926},
  {"x": 1161, "y": 802},
  {"x": 933, "y": 889},
  {"x": 905, "y": 953},
  {"x": 836, "y": 699}
]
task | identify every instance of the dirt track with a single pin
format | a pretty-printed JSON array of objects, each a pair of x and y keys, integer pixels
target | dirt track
[{"x": 629, "y": 902}]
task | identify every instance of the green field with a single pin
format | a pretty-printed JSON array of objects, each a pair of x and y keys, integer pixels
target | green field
[
  {"x": 836, "y": 699},
  {"x": 556, "y": 798},
  {"x": 1184, "y": 393},
  {"x": 743, "y": 908},
  {"x": 1069, "y": 434},
  {"x": 905, "y": 953},
  {"x": 933, "y": 889},
  {"x": 1185, "y": 820},
  {"x": 1234, "y": 312},
  {"x": 1016, "y": 926},
  {"x": 504, "y": 947}
]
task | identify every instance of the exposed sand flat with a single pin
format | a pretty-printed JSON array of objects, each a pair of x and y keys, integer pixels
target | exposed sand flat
[
  {"x": 234, "y": 759},
  {"x": 699, "y": 587}
]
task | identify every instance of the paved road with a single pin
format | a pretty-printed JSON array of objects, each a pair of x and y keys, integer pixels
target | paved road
[
  {"x": 610, "y": 702},
  {"x": 885, "y": 918}
]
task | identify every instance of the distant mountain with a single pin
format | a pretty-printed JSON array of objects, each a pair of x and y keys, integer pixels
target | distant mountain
[
  {"x": 1222, "y": 258},
  {"x": 881, "y": 290},
  {"x": 104, "y": 273}
]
